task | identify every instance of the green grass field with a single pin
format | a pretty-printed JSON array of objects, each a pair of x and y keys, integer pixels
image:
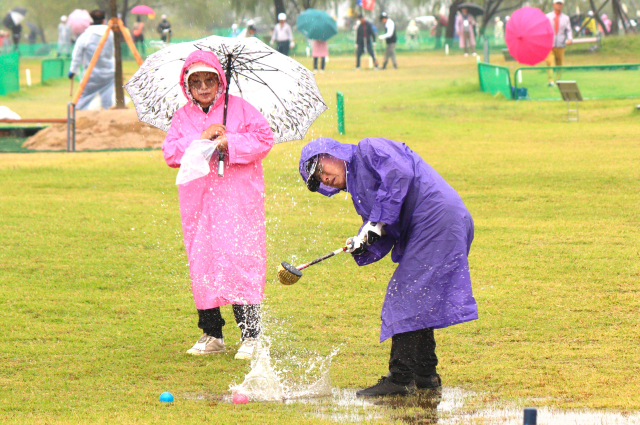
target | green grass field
[{"x": 96, "y": 305}]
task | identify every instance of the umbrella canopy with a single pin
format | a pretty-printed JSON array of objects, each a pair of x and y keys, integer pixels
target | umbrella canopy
[
  {"x": 473, "y": 8},
  {"x": 142, "y": 10},
  {"x": 529, "y": 35},
  {"x": 284, "y": 91},
  {"x": 316, "y": 25},
  {"x": 79, "y": 20},
  {"x": 14, "y": 17}
]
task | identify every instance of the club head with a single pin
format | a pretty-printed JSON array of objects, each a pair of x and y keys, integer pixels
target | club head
[{"x": 288, "y": 274}]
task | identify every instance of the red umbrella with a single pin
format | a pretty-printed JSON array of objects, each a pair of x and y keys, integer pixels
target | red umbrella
[
  {"x": 79, "y": 20},
  {"x": 142, "y": 10},
  {"x": 529, "y": 35}
]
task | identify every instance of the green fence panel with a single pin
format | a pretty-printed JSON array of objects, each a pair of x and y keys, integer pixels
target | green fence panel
[
  {"x": 9, "y": 73},
  {"x": 52, "y": 69},
  {"x": 594, "y": 81},
  {"x": 495, "y": 79}
]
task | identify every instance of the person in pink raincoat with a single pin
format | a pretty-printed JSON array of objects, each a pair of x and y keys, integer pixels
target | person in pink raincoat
[
  {"x": 222, "y": 217},
  {"x": 319, "y": 49},
  {"x": 465, "y": 27}
]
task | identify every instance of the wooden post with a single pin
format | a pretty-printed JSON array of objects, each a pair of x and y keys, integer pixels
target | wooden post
[
  {"x": 130, "y": 43},
  {"x": 117, "y": 40}
]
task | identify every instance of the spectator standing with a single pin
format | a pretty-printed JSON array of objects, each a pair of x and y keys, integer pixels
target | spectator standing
[
  {"x": 411, "y": 34},
  {"x": 365, "y": 38},
  {"x": 234, "y": 31},
  {"x": 498, "y": 31},
  {"x": 563, "y": 36},
  {"x": 102, "y": 80},
  {"x": 164, "y": 29},
  {"x": 465, "y": 27},
  {"x": 391, "y": 39},
  {"x": 282, "y": 35},
  {"x": 319, "y": 50},
  {"x": 249, "y": 31},
  {"x": 64, "y": 37},
  {"x": 589, "y": 24},
  {"x": 138, "y": 34}
]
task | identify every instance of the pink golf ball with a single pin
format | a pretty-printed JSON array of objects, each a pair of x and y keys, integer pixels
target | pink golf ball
[{"x": 240, "y": 399}]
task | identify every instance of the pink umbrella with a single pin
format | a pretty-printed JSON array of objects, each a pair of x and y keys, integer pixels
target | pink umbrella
[
  {"x": 79, "y": 20},
  {"x": 142, "y": 10},
  {"x": 529, "y": 35}
]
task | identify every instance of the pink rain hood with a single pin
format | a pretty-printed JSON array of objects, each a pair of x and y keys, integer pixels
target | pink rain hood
[{"x": 223, "y": 221}]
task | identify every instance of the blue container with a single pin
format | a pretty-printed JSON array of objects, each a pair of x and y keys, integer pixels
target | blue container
[
  {"x": 530, "y": 416},
  {"x": 166, "y": 397}
]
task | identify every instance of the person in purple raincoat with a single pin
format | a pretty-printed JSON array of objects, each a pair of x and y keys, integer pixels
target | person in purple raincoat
[{"x": 409, "y": 209}]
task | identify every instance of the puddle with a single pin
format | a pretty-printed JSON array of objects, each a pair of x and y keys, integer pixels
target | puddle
[{"x": 445, "y": 407}]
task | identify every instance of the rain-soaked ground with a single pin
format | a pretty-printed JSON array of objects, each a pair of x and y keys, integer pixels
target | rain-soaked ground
[{"x": 445, "y": 407}]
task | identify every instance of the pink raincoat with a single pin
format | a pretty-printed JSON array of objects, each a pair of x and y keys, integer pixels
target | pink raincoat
[{"x": 223, "y": 217}]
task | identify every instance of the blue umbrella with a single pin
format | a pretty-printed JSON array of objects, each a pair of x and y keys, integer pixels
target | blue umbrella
[{"x": 316, "y": 25}]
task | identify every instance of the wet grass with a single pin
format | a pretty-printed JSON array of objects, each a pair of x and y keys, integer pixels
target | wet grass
[{"x": 97, "y": 309}]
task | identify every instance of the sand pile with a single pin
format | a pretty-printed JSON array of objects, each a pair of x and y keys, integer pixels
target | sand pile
[{"x": 110, "y": 129}]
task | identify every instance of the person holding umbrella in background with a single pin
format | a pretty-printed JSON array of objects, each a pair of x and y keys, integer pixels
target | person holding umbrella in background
[
  {"x": 102, "y": 79},
  {"x": 465, "y": 27},
  {"x": 391, "y": 39},
  {"x": 562, "y": 36},
  {"x": 409, "y": 209},
  {"x": 318, "y": 27},
  {"x": 223, "y": 219},
  {"x": 138, "y": 34},
  {"x": 365, "y": 37},
  {"x": 282, "y": 35}
]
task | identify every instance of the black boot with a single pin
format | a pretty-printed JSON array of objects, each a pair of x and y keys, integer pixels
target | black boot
[
  {"x": 427, "y": 382},
  {"x": 385, "y": 386}
]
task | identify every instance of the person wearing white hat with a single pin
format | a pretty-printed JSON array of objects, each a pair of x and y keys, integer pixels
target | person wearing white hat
[
  {"x": 64, "y": 37},
  {"x": 562, "y": 36},
  {"x": 282, "y": 35}
]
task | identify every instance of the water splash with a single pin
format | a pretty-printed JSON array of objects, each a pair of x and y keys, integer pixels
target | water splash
[{"x": 288, "y": 376}]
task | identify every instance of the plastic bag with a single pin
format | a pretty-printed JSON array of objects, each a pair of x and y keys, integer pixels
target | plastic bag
[{"x": 195, "y": 161}]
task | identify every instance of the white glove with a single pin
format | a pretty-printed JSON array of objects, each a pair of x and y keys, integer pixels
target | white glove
[
  {"x": 355, "y": 245},
  {"x": 371, "y": 232}
]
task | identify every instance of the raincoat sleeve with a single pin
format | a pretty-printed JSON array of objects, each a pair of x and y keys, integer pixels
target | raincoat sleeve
[
  {"x": 176, "y": 143},
  {"x": 375, "y": 252},
  {"x": 395, "y": 173},
  {"x": 254, "y": 139},
  {"x": 78, "y": 52}
]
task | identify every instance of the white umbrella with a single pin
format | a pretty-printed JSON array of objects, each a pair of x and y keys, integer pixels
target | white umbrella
[{"x": 284, "y": 91}]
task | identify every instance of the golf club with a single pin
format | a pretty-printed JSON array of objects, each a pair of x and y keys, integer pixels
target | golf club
[{"x": 288, "y": 275}]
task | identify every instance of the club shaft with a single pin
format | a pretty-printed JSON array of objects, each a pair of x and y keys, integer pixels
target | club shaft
[{"x": 324, "y": 257}]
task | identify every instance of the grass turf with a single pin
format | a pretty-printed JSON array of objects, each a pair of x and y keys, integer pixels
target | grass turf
[{"x": 97, "y": 310}]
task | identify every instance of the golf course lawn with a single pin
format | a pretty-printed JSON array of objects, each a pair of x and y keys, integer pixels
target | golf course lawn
[{"x": 96, "y": 306}]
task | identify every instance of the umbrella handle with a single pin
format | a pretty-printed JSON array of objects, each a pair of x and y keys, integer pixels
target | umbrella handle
[{"x": 224, "y": 118}]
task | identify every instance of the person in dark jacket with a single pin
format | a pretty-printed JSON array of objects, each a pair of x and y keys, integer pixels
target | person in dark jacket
[
  {"x": 365, "y": 37},
  {"x": 409, "y": 209},
  {"x": 164, "y": 29}
]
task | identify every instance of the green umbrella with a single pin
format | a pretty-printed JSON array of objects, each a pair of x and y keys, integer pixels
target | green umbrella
[{"x": 316, "y": 25}]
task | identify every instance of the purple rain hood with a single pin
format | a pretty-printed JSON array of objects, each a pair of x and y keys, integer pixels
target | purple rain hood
[{"x": 427, "y": 225}]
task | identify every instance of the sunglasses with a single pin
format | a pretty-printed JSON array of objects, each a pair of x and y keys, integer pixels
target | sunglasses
[{"x": 199, "y": 83}]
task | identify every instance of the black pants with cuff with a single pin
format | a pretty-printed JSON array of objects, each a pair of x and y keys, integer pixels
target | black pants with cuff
[
  {"x": 247, "y": 317},
  {"x": 315, "y": 63},
  {"x": 412, "y": 353}
]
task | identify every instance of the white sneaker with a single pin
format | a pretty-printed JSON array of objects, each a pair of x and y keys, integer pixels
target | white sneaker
[
  {"x": 207, "y": 345},
  {"x": 245, "y": 352}
]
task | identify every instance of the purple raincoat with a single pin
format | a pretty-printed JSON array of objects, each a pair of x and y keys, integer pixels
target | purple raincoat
[{"x": 427, "y": 225}]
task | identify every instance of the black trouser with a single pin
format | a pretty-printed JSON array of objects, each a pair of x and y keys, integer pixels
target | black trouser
[
  {"x": 247, "y": 318},
  {"x": 315, "y": 63},
  {"x": 361, "y": 51},
  {"x": 283, "y": 47},
  {"x": 413, "y": 353}
]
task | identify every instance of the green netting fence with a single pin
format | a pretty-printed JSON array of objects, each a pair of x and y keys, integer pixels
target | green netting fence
[
  {"x": 55, "y": 68},
  {"x": 594, "y": 81},
  {"x": 9, "y": 73},
  {"x": 495, "y": 79}
]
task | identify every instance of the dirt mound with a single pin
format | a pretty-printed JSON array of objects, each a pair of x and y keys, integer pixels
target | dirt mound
[{"x": 111, "y": 129}]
